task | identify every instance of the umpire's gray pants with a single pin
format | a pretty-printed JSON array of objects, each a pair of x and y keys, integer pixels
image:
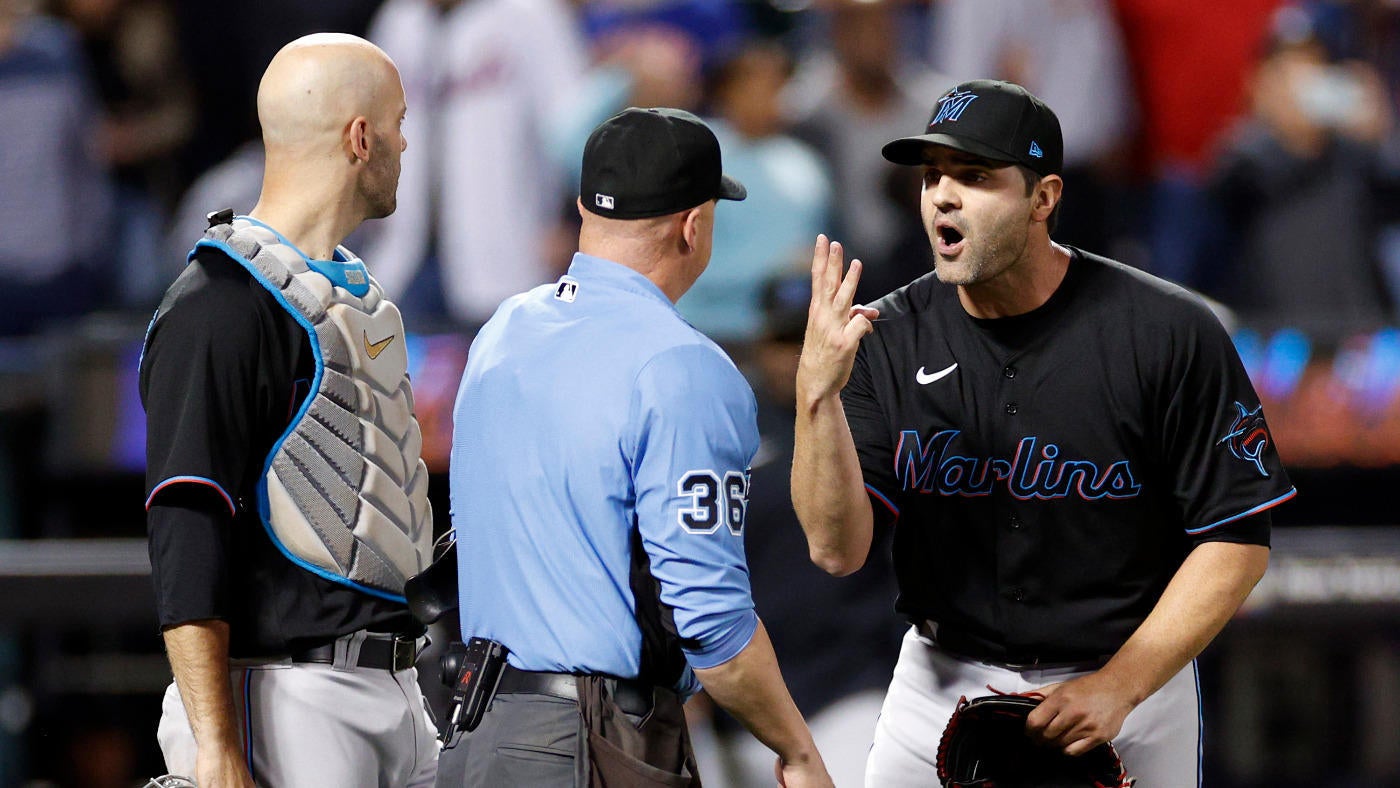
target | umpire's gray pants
[{"x": 523, "y": 740}]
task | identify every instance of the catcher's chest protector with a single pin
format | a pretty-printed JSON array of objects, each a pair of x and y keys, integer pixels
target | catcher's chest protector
[{"x": 344, "y": 491}]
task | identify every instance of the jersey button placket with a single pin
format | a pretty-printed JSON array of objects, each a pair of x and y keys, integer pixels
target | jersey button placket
[
  {"x": 1008, "y": 374},
  {"x": 1014, "y": 547}
]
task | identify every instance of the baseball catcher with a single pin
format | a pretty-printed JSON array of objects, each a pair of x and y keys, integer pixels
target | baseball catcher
[{"x": 985, "y": 745}]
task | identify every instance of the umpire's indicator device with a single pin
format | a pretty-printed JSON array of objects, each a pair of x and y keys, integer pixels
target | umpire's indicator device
[{"x": 474, "y": 687}]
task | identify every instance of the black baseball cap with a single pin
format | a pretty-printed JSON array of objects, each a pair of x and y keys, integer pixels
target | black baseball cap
[
  {"x": 651, "y": 162},
  {"x": 1001, "y": 121}
]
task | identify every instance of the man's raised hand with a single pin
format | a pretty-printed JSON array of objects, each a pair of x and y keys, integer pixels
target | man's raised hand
[{"x": 835, "y": 325}]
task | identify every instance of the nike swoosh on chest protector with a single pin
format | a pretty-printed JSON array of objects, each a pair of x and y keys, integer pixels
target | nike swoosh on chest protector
[{"x": 375, "y": 348}]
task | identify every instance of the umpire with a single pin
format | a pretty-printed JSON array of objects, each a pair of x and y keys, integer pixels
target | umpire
[{"x": 599, "y": 484}]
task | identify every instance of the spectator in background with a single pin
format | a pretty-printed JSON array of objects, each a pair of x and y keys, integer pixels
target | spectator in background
[
  {"x": 1381, "y": 33},
  {"x": 147, "y": 117},
  {"x": 491, "y": 82},
  {"x": 789, "y": 196},
  {"x": 661, "y": 65},
  {"x": 1298, "y": 184},
  {"x": 1190, "y": 61},
  {"x": 1069, "y": 53},
  {"x": 55, "y": 196},
  {"x": 716, "y": 28},
  {"x": 839, "y": 662},
  {"x": 849, "y": 101}
]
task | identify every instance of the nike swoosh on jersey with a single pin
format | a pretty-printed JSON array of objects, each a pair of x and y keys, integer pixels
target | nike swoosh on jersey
[
  {"x": 375, "y": 348},
  {"x": 925, "y": 378}
]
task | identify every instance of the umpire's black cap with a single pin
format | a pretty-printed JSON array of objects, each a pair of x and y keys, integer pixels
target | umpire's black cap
[
  {"x": 998, "y": 120},
  {"x": 651, "y": 162}
]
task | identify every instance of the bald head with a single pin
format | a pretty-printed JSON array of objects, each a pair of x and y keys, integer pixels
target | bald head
[
  {"x": 332, "y": 110},
  {"x": 318, "y": 83}
]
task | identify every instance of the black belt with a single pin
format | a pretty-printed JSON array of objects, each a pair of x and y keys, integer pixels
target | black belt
[
  {"x": 959, "y": 644},
  {"x": 385, "y": 653},
  {"x": 633, "y": 697}
]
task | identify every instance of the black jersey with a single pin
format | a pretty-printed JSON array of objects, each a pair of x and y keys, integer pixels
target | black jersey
[
  {"x": 224, "y": 369},
  {"x": 1047, "y": 473}
]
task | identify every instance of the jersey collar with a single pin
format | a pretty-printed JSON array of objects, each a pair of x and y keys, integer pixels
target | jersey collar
[
  {"x": 586, "y": 267},
  {"x": 1036, "y": 318}
]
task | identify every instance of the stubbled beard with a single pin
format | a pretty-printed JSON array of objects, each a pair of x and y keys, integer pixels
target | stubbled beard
[
  {"x": 381, "y": 190},
  {"x": 381, "y": 206},
  {"x": 997, "y": 248}
]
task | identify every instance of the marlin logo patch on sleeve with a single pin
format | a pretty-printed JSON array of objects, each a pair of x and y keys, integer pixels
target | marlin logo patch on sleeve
[{"x": 1248, "y": 436}]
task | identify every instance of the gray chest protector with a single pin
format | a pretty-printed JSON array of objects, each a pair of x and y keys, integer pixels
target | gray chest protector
[{"x": 344, "y": 492}]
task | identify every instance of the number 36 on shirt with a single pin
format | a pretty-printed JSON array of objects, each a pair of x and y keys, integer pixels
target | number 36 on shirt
[{"x": 714, "y": 501}]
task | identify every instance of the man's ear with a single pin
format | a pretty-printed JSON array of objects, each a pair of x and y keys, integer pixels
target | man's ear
[
  {"x": 1046, "y": 196},
  {"x": 358, "y": 138},
  {"x": 690, "y": 228}
]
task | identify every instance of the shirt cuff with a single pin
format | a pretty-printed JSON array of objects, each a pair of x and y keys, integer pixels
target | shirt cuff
[{"x": 736, "y": 636}]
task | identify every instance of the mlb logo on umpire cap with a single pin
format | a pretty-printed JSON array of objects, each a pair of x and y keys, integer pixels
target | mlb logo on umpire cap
[{"x": 604, "y": 201}]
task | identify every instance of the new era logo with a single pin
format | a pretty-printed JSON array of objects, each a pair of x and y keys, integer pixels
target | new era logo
[
  {"x": 1035, "y": 150},
  {"x": 603, "y": 201}
]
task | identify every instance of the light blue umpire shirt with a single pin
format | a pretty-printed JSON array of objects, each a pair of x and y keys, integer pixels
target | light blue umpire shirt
[{"x": 589, "y": 407}]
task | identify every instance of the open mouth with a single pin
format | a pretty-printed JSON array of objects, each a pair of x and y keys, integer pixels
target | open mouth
[{"x": 950, "y": 238}]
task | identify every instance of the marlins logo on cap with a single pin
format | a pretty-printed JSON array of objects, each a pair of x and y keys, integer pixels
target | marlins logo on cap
[
  {"x": 999, "y": 121},
  {"x": 951, "y": 106}
]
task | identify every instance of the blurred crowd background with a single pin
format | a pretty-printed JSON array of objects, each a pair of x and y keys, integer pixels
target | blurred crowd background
[{"x": 1247, "y": 149}]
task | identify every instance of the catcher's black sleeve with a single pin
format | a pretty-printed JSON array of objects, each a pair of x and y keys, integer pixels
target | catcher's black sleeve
[
  {"x": 217, "y": 385},
  {"x": 189, "y": 547},
  {"x": 216, "y": 380}
]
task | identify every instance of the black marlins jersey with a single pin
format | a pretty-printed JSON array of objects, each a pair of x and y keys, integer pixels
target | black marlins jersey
[
  {"x": 1047, "y": 473},
  {"x": 223, "y": 371}
]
